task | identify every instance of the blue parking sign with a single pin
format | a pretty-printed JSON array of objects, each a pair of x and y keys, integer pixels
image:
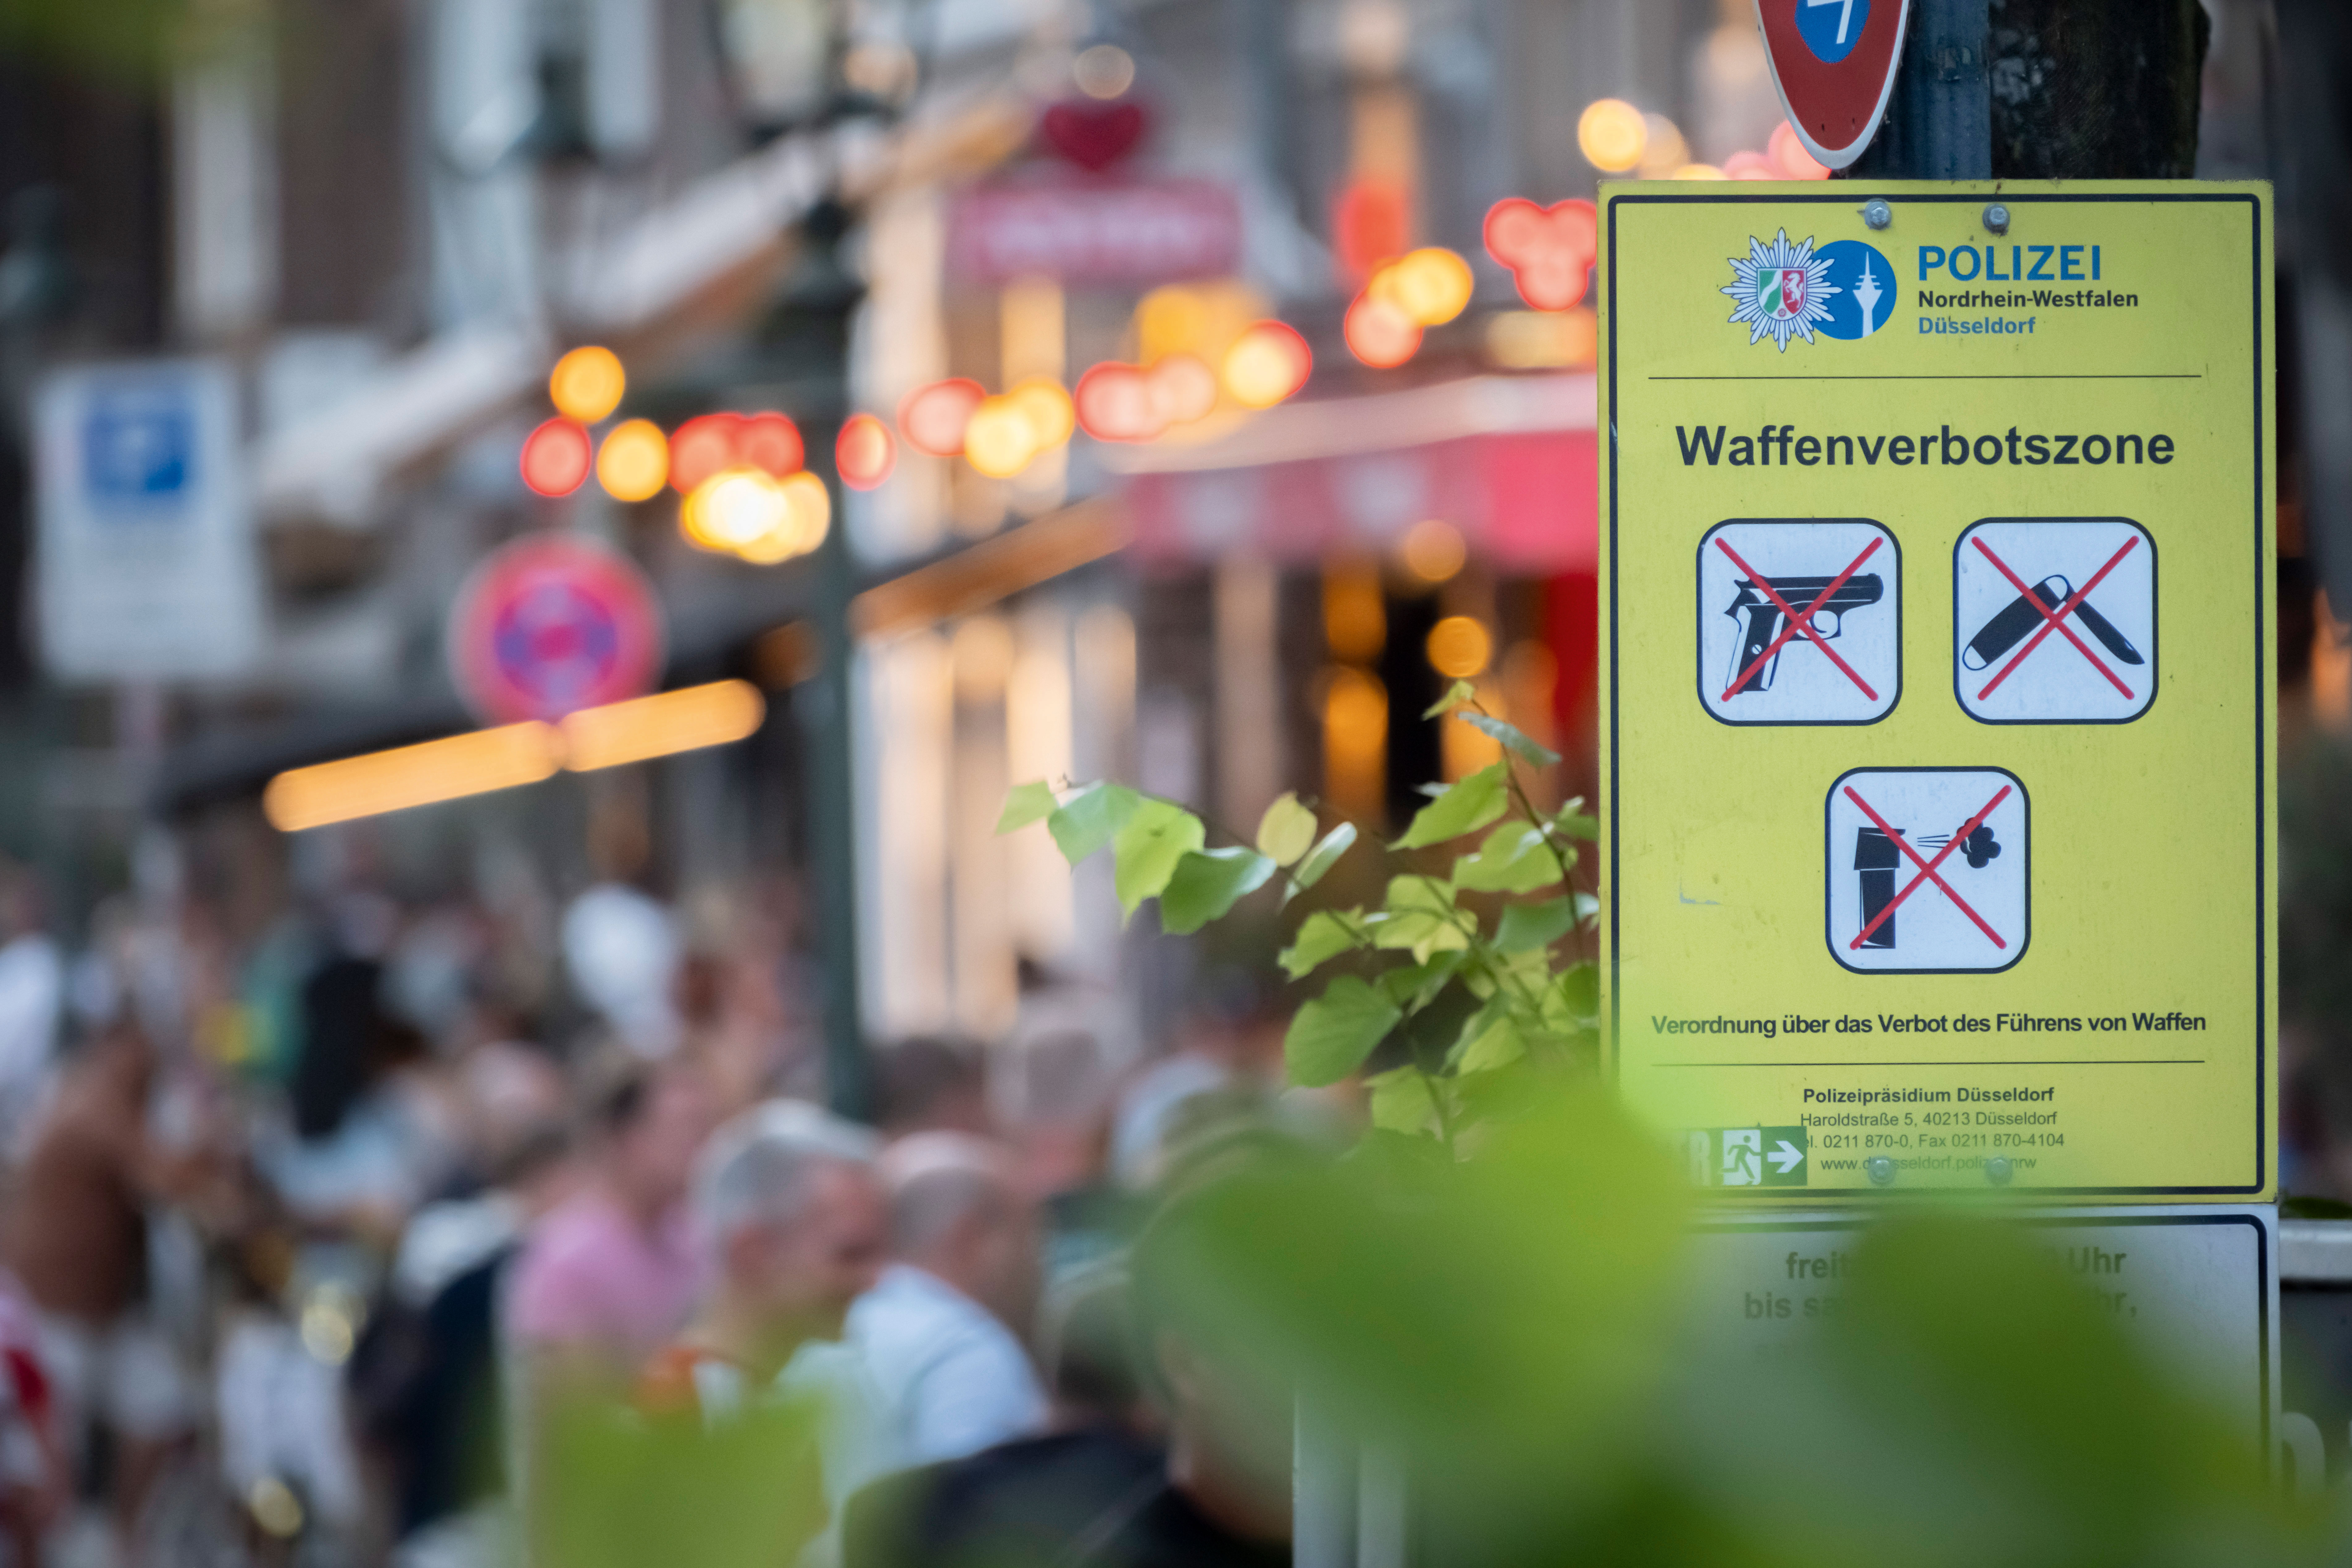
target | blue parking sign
[{"x": 137, "y": 445}]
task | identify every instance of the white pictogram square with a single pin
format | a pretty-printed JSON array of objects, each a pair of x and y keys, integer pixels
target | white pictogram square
[
  {"x": 1928, "y": 869},
  {"x": 2053, "y": 620},
  {"x": 1799, "y": 622}
]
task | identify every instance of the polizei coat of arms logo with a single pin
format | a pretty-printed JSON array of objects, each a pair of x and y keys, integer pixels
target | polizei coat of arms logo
[{"x": 1781, "y": 291}]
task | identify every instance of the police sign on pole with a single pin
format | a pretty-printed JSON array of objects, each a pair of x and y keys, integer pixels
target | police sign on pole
[{"x": 1938, "y": 691}]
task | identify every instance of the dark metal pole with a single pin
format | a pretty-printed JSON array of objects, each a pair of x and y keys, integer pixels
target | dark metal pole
[
  {"x": 1938, "y": 122},
  {"x": 823, "y": 705}
]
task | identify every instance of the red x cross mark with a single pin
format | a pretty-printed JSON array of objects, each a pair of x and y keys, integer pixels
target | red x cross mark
[
  {"x": 2056, "y": 618},
  {"x": 1927, "y": 867},
  {"x": 1797, "y": 623}
]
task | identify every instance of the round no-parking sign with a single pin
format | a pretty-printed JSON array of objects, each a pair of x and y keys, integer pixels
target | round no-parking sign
[
  {"x": 1834, "y": 63},
  {"x": 551, "y": 624}
]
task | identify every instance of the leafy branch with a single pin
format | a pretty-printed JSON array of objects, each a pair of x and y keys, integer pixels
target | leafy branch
[{"x": 1480, "y": 994}]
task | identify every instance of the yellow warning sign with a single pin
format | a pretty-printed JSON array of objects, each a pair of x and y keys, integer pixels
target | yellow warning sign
[{"x": 1938, "y": 688}]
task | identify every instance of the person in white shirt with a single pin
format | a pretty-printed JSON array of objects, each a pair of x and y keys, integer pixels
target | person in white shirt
[{"x": 940, "y": 1334}]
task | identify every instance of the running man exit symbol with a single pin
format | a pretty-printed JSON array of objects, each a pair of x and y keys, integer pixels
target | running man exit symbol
[
  {"x": 1927, "y": 870},
  {"x": 1748, "y": 1156},
  {"x": 1799, "y": 622}
]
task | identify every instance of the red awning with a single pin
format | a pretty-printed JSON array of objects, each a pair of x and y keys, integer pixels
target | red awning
[{"x": 1508, "y": 460}]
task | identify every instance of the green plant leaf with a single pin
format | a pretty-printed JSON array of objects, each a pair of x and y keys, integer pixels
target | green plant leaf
[
  {"x": 1320, "y": 859},
  {"x": 1025, "y": 803},
  {"x": 1458, "y": 693},
  {"x": 1529, "y": 927},
  {"x": 1414, "y": 986},
  {"x": 1421, "y": 917},
  {"x": 1580, "y": 990},
  {"x": 1205, "y": 885},
  {"x": 1332, "y": 1035},
  {"x": 1322, "y": 936},
  {"x": 1157, "y": 835},
  {"x": 1498, "y": 1044},
  {"x": 1401, "y": 1099},
  {"x": 1091, "y": 819},
  {"x": 1471, "y": 803},
  {"x": 1511, "y": 736},
  {"x": 1515, "y": 858},
  {"x": 1287, "y": 831},
  {"x": 1572, "y": 819}
]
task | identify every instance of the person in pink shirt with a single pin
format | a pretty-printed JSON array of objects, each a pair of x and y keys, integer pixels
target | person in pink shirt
[{"x": 609, "y": 1275}]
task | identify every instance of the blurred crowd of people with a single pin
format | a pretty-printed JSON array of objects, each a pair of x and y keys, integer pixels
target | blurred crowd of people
[{"x": 316, "y": 1233}]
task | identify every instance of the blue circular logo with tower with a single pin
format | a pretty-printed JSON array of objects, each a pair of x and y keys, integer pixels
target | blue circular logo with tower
[{"x": 1864, "y": 284}]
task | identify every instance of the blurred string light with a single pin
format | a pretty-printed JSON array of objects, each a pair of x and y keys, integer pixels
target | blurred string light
[
  {"x": 709, "y": 444},
  {"x": 1052, "y": 417},
  {"x": 932, "y": 417},
  {"x": 395, "y": 780},
  {"x": 1267, "y": 363},
  {"x": 1104, "y": 70},
  {"x": 1542, "y": 340},
  {"x": 756, "y": 515},
  {"x": 1548, "y": 249},
  {"x": 633, "y": 465},
  {"x": 1431, "y": 285},
  {"x": 770, "y": 441},
  {"x": 661, "y": 725},
  {"x": 511, "y": 755},
  {"x": 1371, "y": 220},
  {"x": 1379, "y": 332},
  {"x": 807, "y": 518},
  {"x": 586, "y": 384},
  {"x": 1459, "y": 646},
  {"x": 999, "y": 439},
  {"x": 700, "y": 448},
  {"x": 1434, "y": 550},
  {"x": 863, "y": 453},
  {"x": 556, "y": 458},
  {"x": 1611, "y": 134},
  {"x": 1203, "y": 319},
  {"x": 1696, "y": 172},
  {"x": 1113, "y": 403},
  {"x": 1183, "y": 389},
  {"x": 1665, "y": 149},
  {"x": 274, "y": 1507}
]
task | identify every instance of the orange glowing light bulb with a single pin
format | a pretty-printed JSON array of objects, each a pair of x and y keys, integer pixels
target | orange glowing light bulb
[
  {"x": 999, "y": 439},
  {"x": 1266, "y": 364},
  {"x": 1182, "y": 389},
  {"x": 863, "y": 452},
  {"x": 1431, "y": 285},
  {"x": 1052, "y": 417},
  {"x": 702, "y": 447},
  {"x": 634, "y": 463},
  {"x": 556, "y": 458},
  {"x": 933, "y": 417},
  {"x": 771, "y": 442},
  {"x": 586, "y": 384},
  {"x": 1113, "y": 403},
  {"x": 1379, "y": 334}
]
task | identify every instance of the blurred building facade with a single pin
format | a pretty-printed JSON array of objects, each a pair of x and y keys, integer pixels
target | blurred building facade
[{"x": 382, "y": 222}]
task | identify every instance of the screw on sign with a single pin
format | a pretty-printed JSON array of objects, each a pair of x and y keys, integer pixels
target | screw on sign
[
  {"x": 549, "y": 624},
  {"x": 2053, "y": 620},
  {"x": 1834, "y": 64},
  {"x": 1926, "y": 869}
]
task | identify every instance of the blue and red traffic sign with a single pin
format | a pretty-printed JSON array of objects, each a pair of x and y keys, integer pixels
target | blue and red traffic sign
[
  {"x": 1834, "y": 63},
  {"x": 551, "y": 624}
]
